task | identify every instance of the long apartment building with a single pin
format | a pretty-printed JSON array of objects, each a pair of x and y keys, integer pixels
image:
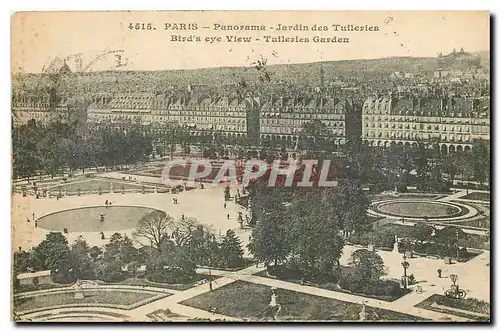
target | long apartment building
[
  {"x": 282, "y": 118},
  {"x": 453, "y": 123},
  {"x": 217, "y": 114},
  {"x": 270, "y": 118}
]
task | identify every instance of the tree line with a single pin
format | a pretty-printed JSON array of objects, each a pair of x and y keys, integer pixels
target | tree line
[
  {"x": 50, "y": 148},
  {"x": 171, "y": 252}
]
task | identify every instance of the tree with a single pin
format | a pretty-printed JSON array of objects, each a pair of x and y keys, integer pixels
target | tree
[
  {"x": 369, "y": 266},
  {"x": 347, "y": 203},
  {"x": 154, "y": 227},
  {"x": 83, "y": 267},
  {"x": 52, "y": 253},
  {"x": 182, "y": 230},
  {"x": 316, "y": 246},
  {"x": 231, "y": 250},
  {"x": 269, "y": 242},
  {"x": 22, "y": 261},
  {"x": 481, "y": 158},
  {"x": 450, "y": 238},
  {"x": 119, "y": 249},
  {"x": 198, "y": 247},
  {"x": 170, "y": 264}
]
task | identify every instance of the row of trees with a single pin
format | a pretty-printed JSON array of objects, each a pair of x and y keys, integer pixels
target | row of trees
[
  {"x": 426, "y": 168},
  {"x": 50, "y": 148},
  {"x": 175, "y": 248},
  {"x": 59, "y": 145}
]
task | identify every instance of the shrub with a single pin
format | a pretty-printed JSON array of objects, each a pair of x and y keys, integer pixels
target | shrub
[
  {"x": 384, "y": 239},
  {"x": 362, "y": 239},
  {"x": 388, "y": 288},
  {"x": 405, "y": 245},
  {"x": 470, "y": 304},
  {"x": 350, "y": 282}
]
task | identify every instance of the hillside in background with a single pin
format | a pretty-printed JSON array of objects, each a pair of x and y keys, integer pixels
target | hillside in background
[{"x": 301, "y": 73}]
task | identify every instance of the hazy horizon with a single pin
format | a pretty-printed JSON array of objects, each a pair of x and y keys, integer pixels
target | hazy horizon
[{"x": 271, "y": 65}]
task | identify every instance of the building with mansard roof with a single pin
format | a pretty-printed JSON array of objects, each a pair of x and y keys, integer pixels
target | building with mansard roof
[
  {"x": 39, "y": 107},
  {"x": 229, "y": 116},
  {"x": 282, "y": 118},
  {"x": 452, "y": 122}
]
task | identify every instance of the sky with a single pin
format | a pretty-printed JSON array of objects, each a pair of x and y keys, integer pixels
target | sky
[{"x": 94, "y": 41}]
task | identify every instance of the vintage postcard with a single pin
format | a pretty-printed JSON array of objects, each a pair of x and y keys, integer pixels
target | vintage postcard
[{"x": 250, "y": 166}]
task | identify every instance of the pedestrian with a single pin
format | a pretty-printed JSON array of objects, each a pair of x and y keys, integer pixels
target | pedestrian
[
  {"x": 106, "y": 203},
  {"x": 36, "y": 224},
  {"x": 225, "y": 205},
  {"x": 173, "y": 200},
  {"x": 439, "y": 273},
  {"x": 33, "y": 216},
  {"x": 28, "y": 219},
  {"x": 228, "y": 216},
  {"x": 182, "y": 217}
]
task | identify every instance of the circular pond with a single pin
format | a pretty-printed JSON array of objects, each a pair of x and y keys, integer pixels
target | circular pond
[
  {"x": 94, "y": 219},
  {"x": 419, "y": 209}
]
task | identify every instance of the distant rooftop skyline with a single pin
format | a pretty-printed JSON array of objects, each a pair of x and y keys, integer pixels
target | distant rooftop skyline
[{"x": 96, "y": 41}]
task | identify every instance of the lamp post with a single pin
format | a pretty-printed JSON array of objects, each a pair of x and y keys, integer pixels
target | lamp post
[
  {"x": 210, "y": 275},
  {"x": 405, "y": 265}
]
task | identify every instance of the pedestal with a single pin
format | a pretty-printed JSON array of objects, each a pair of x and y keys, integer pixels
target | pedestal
[{"x": 79, "y": 295}]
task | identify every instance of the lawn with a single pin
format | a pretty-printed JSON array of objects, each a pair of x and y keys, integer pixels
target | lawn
[
  {"x": 250, "y": 301},
  {"x": 420, "y": 209},
  {"x": 334, "y": 286},
  {"x": 471, "y": 241},
  {"x": 402, "y": 196},
  {"x": 478, "y": 196},
  {"x": 107, "y": 297},
  {"x": 480, "y": 223},
  {"x": 179, "y": 287},
  {"x": 469, "y": 304}
]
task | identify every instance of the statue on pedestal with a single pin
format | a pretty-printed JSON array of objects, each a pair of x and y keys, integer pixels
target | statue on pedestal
[
  {"x": 362, "y": 313},
  {"x": 274, "y": 303},
  {"x": 396, "y": 244},
  {"x": 78, "y": 291}
]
